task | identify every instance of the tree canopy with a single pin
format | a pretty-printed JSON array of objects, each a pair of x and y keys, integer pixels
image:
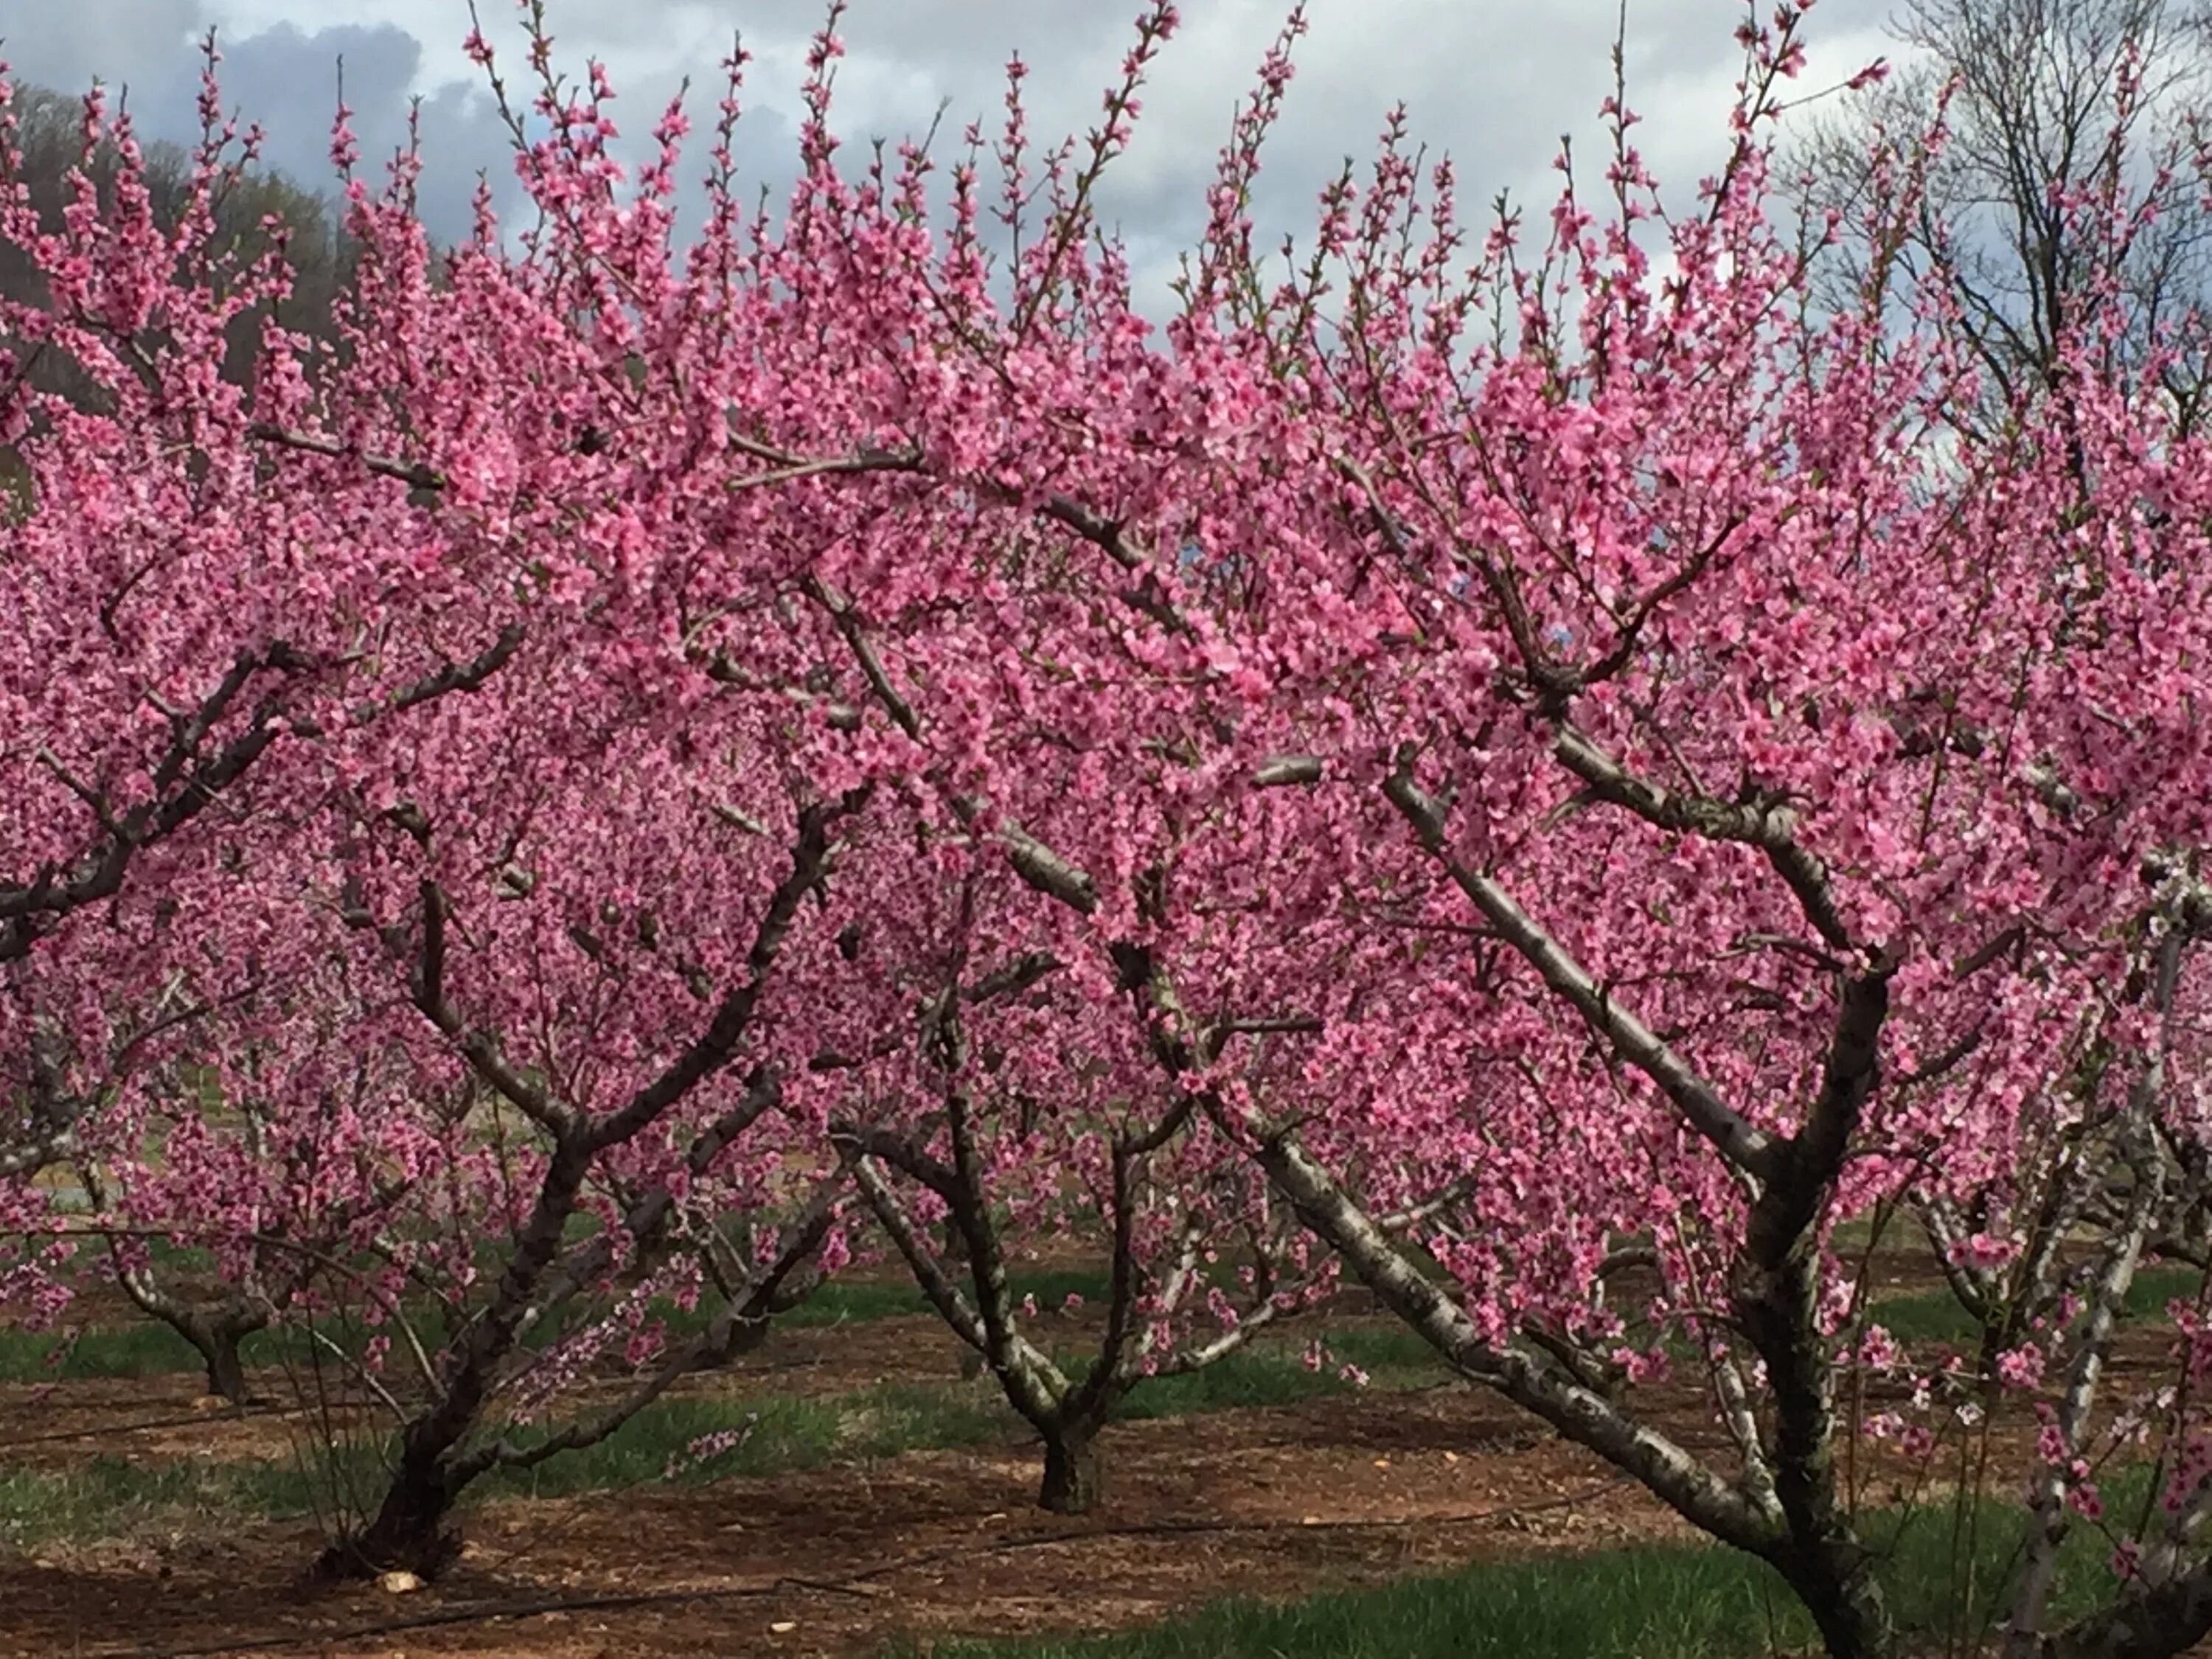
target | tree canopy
[{"x": 1564, "y": 778}]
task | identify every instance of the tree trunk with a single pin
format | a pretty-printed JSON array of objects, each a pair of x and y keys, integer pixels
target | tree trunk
[
  {"x": 1071, "y": 1485},
  {"x": 1834, "y": 1579},
  {"x": 215, "y": 1337},
  {"x": 408, "y": 1534},
  {"x": 1776, "y": 1292},
  {"x": 226, "y": 1374},
  {"x": 745, "y": 1336},
  {"x": 214, "y": 1328}
]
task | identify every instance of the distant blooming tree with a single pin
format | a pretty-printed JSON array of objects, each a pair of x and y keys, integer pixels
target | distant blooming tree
[{"x": 194, "y": 642}]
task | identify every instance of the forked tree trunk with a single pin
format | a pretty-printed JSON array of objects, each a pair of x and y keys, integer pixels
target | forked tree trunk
[
  {"x": 410, "y": 1531},
  {"x": 214, "y": 1330},
  {"x": 217, "y": 1341}
]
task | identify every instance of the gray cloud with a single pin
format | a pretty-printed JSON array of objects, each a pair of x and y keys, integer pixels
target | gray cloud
[
  {"x": 1494, "y": 85},
  {"x": 66, "y": 45},
  {"x": 282, "y": 78}
]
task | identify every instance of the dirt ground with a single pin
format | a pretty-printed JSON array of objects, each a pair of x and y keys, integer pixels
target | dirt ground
[
  {"x": 846, "y": 1560},
  {"x": 842, "y": 1561}
]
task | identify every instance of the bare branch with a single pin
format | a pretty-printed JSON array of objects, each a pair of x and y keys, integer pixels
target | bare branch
[
  {"x": 1768, "y": 826},
  {"x": 1741, "y": 1142},
  {"x": 1278, "y": 771},
  {"x": 413, "y": 473},
  {"x": 810, "y": 857},
  {"x": 462, "y": 676}
]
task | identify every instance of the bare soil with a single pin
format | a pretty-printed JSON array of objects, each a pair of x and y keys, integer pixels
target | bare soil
[
  {"x": 846, "y": 1560},
  {"x": 1269, "y": 1503}
]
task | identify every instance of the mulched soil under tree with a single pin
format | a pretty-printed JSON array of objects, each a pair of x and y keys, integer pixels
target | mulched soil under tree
[
  {"x": 1277, "y": 1502},
  {"x": 1270, "y": 1502}
]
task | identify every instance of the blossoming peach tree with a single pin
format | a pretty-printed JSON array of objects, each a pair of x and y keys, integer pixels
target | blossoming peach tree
[
  {"x": 1802, "y": 798},
  {"x": 195, "y": 640},
  {"x": 1795, "y": 793}
]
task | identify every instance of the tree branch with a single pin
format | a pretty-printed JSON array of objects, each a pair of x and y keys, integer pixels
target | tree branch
[{"x": 1742, "y": 1143}]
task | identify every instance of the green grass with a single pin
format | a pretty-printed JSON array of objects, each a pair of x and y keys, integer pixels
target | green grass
[
  {"x": 1936, "y": 1317},
  {"x": 112, "y": 1497},
  {"x": 1383, "y": 1348},
  {"x": 1646, "y": 1601},
  {"x": 147, "y": 1350},
  {"x": 1251, "y": 1376},
  {"x": 782, "y": 1433},
  {"x": 2154, "y": 1287},
  {"x": 1276, "y": 1375},
  {"x": 109, "y": 1497},
  {"x": 1649, "y": 1602},
  {"x": 150, "y": 1349}
]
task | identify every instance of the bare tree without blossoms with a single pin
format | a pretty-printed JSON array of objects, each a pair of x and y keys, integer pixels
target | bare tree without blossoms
[{"x": 2040, "y": 103}]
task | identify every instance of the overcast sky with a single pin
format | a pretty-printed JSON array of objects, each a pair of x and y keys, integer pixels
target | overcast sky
[{"x": 1494, "y": 84}]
